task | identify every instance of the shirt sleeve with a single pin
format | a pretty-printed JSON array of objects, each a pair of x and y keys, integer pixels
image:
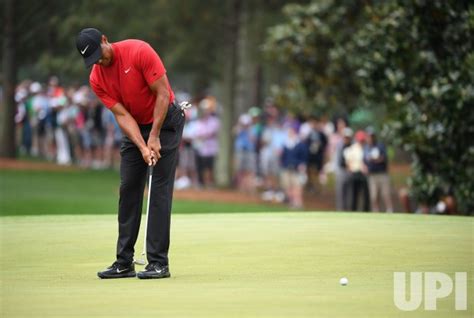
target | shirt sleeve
[
  {"x": 151, "y": 65},
  {"x": 106, "y": 99}
]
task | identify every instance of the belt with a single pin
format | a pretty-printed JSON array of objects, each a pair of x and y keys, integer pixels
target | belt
[{"x": 183, "y": 106}]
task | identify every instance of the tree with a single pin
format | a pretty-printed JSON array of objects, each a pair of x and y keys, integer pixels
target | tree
[
  {"x": 7, "y": 109},
  {"x": 311, "y": 42},
  {"x": 411, "y": 60},
  {"x": 417, "y": 59},
  {"x": 244, "y": 22},
  {"x": 29, "y": 31},
  {"x": 224, "y": 163}
]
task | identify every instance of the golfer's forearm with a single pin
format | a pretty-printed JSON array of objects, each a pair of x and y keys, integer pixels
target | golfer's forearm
[
  {"x": 129, "y": 127},
  {"x": 159, "y": 114}
]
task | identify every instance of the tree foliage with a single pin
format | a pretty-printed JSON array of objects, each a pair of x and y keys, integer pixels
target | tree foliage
[
  {"x": 190, "y": 35},
  {"x": 417, "y": 58},
  {"x": 413, "y": 60},
  {"x": 312, "y": 43},
  {"x": 186, "y": 33}
]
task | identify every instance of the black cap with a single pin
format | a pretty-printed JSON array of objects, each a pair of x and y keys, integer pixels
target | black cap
[{"x": 88, "y": 45}]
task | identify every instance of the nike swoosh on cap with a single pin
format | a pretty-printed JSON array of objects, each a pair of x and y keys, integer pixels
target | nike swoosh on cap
[{"x": 85, "y": 49}]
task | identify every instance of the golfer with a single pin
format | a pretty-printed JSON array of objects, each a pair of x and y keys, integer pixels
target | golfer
[{"x": 130, "y": 79}]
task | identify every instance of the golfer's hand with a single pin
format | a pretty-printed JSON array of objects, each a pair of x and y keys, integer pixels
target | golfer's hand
[
  {"x": 148, "y": 156},
  {"x": 154, "y": 145}
]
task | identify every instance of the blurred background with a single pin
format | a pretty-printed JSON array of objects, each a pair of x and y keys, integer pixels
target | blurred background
[{"x": 320, "y": 105}]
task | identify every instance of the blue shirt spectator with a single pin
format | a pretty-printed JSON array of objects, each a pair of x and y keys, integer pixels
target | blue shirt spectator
[
  {"x": 375, "y": 157},
  {"x": 295, "y": 152},
  {"x": 244, "y": 141}
]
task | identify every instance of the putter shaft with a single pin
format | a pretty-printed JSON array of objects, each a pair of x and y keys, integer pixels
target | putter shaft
[{"x": 150, "y": 175}]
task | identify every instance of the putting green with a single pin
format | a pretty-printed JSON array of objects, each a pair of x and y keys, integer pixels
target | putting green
[{"x": 233, "y": 265}]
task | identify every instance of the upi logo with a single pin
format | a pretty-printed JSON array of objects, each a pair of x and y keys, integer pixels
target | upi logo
[{"x": 436, "y": 285}]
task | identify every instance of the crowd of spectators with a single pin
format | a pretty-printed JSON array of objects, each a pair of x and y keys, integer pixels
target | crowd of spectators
[
  {"x": 282, "y": 156},
  {"x": 277, "y": 154},
  {"x": 286, "y": 155},
  {"x": 67, "y": 125}
]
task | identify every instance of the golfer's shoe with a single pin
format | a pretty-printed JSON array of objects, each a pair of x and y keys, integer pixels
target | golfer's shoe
[
  {"x": 117, "y": 270},
  {"x": 154, "y": 270}
]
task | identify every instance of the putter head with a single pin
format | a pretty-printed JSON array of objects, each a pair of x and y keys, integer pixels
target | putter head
[{"x": 139, "y": 262}]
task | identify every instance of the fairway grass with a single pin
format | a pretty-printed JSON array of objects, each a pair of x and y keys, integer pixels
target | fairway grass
[
  {"x": 233, "y": 265},
  {"x": 87, "y": 192}
]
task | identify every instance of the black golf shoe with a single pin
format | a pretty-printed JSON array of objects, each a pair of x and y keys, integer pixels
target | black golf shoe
[
  {"x": 117, "y": 270},
  {"x": 154, "y": 270}
]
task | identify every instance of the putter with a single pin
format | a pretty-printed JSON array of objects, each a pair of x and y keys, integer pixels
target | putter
[{"x": 142, "y": 260}]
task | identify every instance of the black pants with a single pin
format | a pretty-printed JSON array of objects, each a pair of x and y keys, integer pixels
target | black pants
[
  {"x": 204, "y": 163},
  {"x": 133, "y": 176},
  {"x": 358, "y": 185}
]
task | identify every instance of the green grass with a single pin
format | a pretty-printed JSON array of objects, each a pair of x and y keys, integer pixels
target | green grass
[
  {"x": 85, "y": 192},
  {"x": 232, "y": 265},
  {"x": 223, "y": 265}
]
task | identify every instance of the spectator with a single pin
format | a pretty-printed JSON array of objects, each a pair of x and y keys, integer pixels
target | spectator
[
  {"x": 206, "y": 142},
  {"x": 317, "y": 143},
  {"x": 41, "y": 108},
  {"x": 256, "y": 129},
  {"x": 76, "y": 124},
  {"x": 22, "y": 118},
  {"x": 113, "y": 136},
  {"x": 273, "y": 139},
  {"x": 375, "y": 158},
  {"x": 60, "y": 104},
  {"x": 97, "y": 132},
  {"x": 58, "y": 146},
  {"x": 354, "y": 157},
  {"x": 186, "y": 175},
  {"x": 291, "y": 121},
  {"x": 83, "y": 125},
  {"x": 293, "y": 161},
  {"x": 335, "y": 132},
  {"x": 245, "y": 154},
  {"x": 341, "y": 173}
]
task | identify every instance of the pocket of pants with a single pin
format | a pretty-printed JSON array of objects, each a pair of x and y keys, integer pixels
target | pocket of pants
[{"x": 173, "y": 118}]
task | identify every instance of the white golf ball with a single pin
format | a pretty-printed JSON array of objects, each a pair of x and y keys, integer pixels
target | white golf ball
[{"x": 344, "y": 281}]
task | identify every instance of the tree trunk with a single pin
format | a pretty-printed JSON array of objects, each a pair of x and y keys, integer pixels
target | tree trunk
[
  {"x": 224, "y": 162},
  {"x": 7, "y": 106},
  {"x": 250, "y": 37}
]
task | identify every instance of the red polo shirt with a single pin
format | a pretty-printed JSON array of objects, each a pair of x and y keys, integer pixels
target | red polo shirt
[{"x": 134, "y": 67}]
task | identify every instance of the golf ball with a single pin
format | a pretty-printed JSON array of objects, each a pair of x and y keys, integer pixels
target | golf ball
[{"x": 343, "y": 281}]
